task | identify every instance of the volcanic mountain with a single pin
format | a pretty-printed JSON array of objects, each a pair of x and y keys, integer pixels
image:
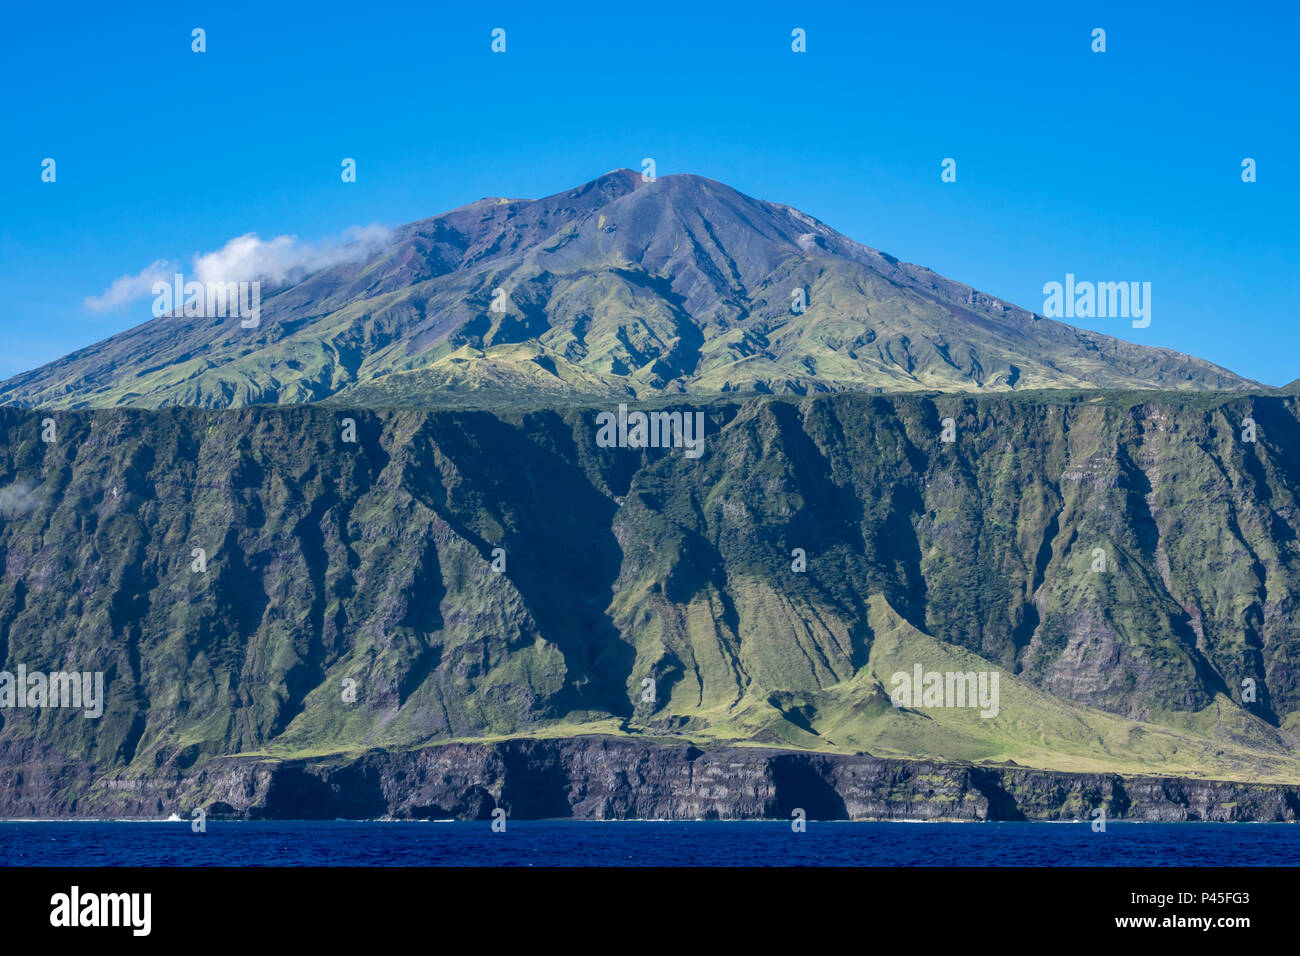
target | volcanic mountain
[
  {"x": 339, "y": 605},
  {"x": 620, "y": 287}
]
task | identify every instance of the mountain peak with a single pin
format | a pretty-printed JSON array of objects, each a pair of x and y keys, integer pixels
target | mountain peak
[
  {"x": 617, "y": 287},
  {"x": 629, "y": 175}
]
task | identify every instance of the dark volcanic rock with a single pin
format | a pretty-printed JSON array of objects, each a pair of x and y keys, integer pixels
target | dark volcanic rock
[{"x": 599, "y": 778}]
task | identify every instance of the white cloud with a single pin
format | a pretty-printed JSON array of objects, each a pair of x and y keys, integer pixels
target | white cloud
[
  {"x": 129, "y": 288},
  {"x": 248, "y": 257},
  {"x": 18, "y": 499},
  {"x": 286, "y": 258}
]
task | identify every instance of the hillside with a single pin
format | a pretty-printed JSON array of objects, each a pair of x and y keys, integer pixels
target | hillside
[
  {"x": 618, "y": 288},
  {"x": 329, "y": 561}
]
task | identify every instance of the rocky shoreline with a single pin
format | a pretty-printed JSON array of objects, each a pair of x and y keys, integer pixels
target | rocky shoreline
[{"x": 607, "y": 778}]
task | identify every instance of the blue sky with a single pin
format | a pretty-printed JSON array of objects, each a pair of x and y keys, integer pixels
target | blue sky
[{"x": 1117, "y": 166}]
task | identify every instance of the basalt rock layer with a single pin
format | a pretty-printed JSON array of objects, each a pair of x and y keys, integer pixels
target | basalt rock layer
[{"x": 594, "y": 778}]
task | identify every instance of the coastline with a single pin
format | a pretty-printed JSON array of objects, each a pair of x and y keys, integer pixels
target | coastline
[{"x": 614, "y": 779}]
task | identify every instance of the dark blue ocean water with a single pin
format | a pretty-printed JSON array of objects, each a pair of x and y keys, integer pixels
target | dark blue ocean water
[{"x": 566, "y": 843}]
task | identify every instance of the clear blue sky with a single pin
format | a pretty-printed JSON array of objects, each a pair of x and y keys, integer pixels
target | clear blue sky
[{"x": 1116, "y": 166}]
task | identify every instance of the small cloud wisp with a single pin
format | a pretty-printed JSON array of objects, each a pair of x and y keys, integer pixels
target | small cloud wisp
[{"x": 246, "y": 258}]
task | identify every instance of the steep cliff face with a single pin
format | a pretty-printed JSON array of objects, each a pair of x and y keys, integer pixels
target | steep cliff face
[
  {"x": 1127, "y": 563},
  {"x": 595, "y": 778}
]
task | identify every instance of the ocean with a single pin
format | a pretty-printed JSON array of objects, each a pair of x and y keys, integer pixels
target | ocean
[{"x": 582, "y": 843}]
